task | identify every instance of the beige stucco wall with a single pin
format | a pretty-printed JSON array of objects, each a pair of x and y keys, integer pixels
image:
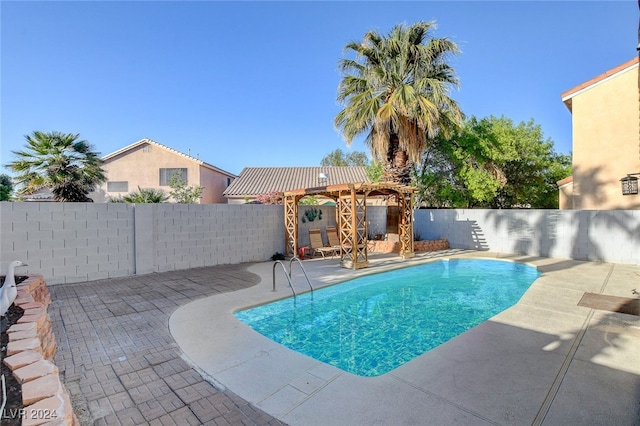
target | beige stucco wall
[
  {"x": 236, "y": 201},
  {"x": 141, "y": 166},
  {"x": 565, "y": 200},
  {"x": 214, "y": 184},
  {"x": 605, "y": 142}
]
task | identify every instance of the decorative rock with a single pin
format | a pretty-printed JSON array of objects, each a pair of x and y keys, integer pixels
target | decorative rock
[
  {"x": 24, "y": 345},
  {"x": 38, "y": 319},
  {"x": 23, "y": 298},
  {"x": 45, "y": 329},
  {"x": 31, "y": 283},
  {"x": 55, "y": 410},
  {"x": 40, "y": 388},
  {"x": 30, "y": 305},
  {"x": 20, "y": 335},
  {"x": 35, "y": 371},
  {"x": 21, "y": 359},
  {"x": 31, "y": 359},
  {"x": 441, "y": 244},
  {"x": 35, "y": 311},
  {"x": 49, "y": 351},
  {"x": 25, "y": 326}
]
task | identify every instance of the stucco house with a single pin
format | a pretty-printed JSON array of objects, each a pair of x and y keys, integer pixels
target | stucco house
[
  {"x": 605, "y": 114},
  {"x": 149, "y": 164},
  {"x": 255, "y": 181}
]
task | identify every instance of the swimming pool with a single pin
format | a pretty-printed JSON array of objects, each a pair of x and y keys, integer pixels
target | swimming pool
[{"x": 370, "y": 325}]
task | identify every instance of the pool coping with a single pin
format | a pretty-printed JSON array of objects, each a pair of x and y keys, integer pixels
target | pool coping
[{"x": 537, "y": 362}]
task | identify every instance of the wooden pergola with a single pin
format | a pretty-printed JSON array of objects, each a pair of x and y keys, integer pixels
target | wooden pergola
[{"x": 351, "y": 217}]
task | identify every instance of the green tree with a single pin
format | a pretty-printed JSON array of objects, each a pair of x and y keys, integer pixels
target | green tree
[
  {"x": 339, "y": 158},
  {"x": 524, "y": 166},
  {"x": 531, "y": 177},
  {"x": 374, "y": 171},
  {"x": 396, "y": 91},
  {"x": 480, "y": 151},
  {"x": 559, "y": 167},
  {"x": 181, "y": 192},
  {"x": 6, "y": 187},
  {"x": 438, "y": 179},
  {"x": 309, "y": 200},
  {"x": 143, "y": 196},
  {"x": 59, "y": 161},
  {"x": 492, "y": 163}
]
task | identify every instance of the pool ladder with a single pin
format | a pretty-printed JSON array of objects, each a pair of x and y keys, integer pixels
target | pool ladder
[{"x": 287, "y": 274}]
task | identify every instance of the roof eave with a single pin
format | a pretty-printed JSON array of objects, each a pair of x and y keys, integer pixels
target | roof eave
[
  {"x": 567, "y": 95},
  {"x": 174, "y": 151}
]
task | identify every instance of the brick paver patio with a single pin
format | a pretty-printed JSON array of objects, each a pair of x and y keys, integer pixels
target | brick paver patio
[{"x": 119, "y": 361}]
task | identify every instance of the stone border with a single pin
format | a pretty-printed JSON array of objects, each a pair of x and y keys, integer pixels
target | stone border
[
  {"x": 30, "y": 353},
  {"x": 377, "y": 246}
]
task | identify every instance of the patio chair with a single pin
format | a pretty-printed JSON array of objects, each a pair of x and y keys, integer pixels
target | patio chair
[
  {"x": 332, "y": 236},
  {"x": 317, "y": 246}
]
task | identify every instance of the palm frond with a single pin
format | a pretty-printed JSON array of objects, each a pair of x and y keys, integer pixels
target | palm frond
[
  {"x": 396, "y": 90},
  {"x": 58, "y": 161}
]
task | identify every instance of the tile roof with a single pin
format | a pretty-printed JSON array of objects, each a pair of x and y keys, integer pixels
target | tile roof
[
  {"x": 565, "y": 181},
  {"x": 261, "y": 180},
  {"x": 152, "y": 142},
  {"x": 567, "y": 95},
  {"x": 42, "y": 194}
]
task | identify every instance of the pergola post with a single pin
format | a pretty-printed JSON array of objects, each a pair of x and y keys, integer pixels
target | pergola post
[
  {"x": 291, "y": 224},
  {"x": 353, "y": 229},
  {"x": 405, "y": 225}
]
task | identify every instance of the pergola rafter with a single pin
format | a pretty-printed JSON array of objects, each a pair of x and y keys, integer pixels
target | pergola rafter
[{"x": 351, "y": 217}]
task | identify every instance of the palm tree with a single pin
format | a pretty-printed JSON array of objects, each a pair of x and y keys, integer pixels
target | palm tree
[
  {"x": 60, "y": 162},
  {"x": 396, "y": 91}
]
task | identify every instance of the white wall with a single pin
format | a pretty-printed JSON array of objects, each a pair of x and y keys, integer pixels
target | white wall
[
  {"x": 598, "y": 235},
  {"x": 75, "y": 242},
  {"x": 328, "y": 219},
  {"x": 182, "y": 236}
]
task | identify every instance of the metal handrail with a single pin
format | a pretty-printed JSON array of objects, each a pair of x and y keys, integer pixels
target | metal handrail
[
  {"x": 303, "y": 271},
  {"x": 288, "y": 274},
  {"x": 285, "y": 274}
]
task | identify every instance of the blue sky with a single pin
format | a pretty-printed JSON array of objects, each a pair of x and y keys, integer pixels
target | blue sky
[{"x": 248, "y": 84}]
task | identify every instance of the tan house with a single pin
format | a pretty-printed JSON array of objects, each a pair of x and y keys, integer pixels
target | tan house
[
  {"x": 148, "y": 164},
  {"x": 255, "y": 181},
  {"x": 605, "y": 115}
]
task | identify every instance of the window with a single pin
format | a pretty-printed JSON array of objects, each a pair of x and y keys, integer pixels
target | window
[
  {"x": 165, "y": 175},
  {"x": 629, "y": 185},
  {"x": 229, "y": 180},
  {"x": 118, "y": 186}
]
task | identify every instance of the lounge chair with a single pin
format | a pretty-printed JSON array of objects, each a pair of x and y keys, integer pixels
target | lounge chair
[
  {"x": 332, "y": 236},
  {"x": 317, "y": 246}
]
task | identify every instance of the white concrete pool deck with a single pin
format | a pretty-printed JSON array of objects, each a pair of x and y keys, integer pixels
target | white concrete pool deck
[{"x": 543, "y": 361}]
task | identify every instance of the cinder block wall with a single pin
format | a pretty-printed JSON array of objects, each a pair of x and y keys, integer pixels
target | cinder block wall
[
  {"x": 596, "y": 235},
  {"x": 75, "y": 242},
  {"x": 68, "y": 242},
  {"x": 328, "y": 218},
  {"x": 181, "y": 236}
]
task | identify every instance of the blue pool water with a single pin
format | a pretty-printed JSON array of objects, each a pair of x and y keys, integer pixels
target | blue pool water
[{"x": 370, "y": 325}]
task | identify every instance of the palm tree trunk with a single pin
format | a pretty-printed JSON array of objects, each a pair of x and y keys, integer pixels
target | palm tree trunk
[{"x": 397, "y": 168}]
